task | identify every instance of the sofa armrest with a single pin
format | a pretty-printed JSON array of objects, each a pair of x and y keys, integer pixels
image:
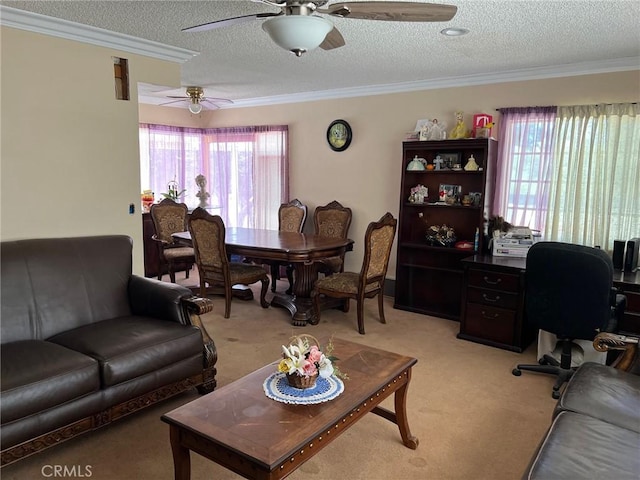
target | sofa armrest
[
  {"x": 156, "y": 299},
  {"x": 629, "y": 359}
]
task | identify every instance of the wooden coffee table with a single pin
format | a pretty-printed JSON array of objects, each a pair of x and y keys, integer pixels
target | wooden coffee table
[{"x": 242, "y": 429}]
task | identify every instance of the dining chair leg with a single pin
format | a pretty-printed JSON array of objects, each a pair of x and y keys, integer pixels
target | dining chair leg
[
  {"x": 290, "y": 278},
  {"x": 263, "y": 293},
  {"x": 361, "y": 316},
  {"x": 345, "y": 305},
  {"x": 172, "y": 274},
  {"x": 274, "y": 276},
  {"x": 227, "y": 301},
  {"x": 381, "y": 307}
]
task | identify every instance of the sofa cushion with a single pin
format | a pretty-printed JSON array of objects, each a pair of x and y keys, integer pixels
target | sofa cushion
[
  {"x": 581, "y": 447},
  {"x": 605, "y": 393},
  {"x": 52, "y": 285},
  {"x": 131, "y": 346},
  {"x": 38, "y": 375}
]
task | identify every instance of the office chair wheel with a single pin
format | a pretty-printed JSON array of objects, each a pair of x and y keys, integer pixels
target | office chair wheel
[{"x": 517, "y": 372}]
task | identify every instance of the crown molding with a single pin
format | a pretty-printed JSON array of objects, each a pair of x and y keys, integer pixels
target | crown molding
[
  {"x": 34, "y": 22},
  {"x": 538, "y": 73}
]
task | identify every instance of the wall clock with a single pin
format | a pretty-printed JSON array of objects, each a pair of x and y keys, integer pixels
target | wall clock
[{"x": 339, "y": 135}]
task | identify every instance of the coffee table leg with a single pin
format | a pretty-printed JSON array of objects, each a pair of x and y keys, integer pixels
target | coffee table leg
[
  {"x": 181, "y": 458},
  {"x": 401, "y": 415}
]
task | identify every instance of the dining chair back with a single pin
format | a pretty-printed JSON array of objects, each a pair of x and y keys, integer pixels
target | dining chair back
[
  {"x": 170, "y": 217},
  {"x": 291, "y": 218},
  {"x": 369, "y": 282},
  {"x": 208, "y": 237},
  {"x": 332, "y": 220}
]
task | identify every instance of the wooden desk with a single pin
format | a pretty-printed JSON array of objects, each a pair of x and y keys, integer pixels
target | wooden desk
[
  {"x": 299, "y": 249},
  {"x": 493, "y": 302},
  {"x": 240, "y": 428}
]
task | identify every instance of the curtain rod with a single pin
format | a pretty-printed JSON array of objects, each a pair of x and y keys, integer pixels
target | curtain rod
[{"x": 538, "y": 106}]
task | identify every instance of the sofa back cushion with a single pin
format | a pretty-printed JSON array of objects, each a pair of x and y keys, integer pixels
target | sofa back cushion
[{"x": 56, "y": 284}]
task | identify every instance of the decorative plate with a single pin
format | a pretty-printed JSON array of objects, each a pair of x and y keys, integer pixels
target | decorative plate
[{"x": 277, "y": 388}]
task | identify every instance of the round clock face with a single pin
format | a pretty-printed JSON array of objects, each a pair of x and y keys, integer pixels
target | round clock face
[{"x": 339, "y": 135}]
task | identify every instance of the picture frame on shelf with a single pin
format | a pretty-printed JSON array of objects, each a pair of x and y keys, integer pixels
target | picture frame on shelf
[
  {"x": 449, "y": 193},
  {"x": 476, "y": 199},
  {"x": 450, "y": 160}
]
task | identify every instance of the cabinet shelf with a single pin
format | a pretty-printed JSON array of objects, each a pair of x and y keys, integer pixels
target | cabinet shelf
[
  {"x": 445, "y": 172},
  {"x": 443, "y": 250},
  {"x": 433, "y": 205},
  {"x": 429, "y": 279}
]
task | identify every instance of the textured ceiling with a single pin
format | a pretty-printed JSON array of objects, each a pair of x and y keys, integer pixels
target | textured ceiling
[{"x": 508, "y": 39}]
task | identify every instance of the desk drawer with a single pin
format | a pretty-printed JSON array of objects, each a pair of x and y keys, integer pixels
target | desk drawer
[
  {"x": 490, "y": 323},
  {"x": 493, "y": 280},
  {"x": 493, "y": 298}
]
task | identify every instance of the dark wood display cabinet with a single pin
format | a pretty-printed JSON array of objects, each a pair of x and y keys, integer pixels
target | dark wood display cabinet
[{"x": 429, "y": 278}]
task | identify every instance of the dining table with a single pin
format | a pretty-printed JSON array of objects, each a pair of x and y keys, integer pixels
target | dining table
[{"x": 303, "y": 251}]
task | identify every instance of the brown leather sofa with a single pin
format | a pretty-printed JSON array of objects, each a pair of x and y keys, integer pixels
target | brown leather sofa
[
  {"x": 595, "y": 431},
  {"x": 85, "y": 342}
]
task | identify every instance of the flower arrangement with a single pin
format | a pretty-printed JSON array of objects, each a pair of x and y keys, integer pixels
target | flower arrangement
[
  {"x": 173, "y": 193},
  {"x": 303, "y": 361},
  {"x": 419, "y": 194}
]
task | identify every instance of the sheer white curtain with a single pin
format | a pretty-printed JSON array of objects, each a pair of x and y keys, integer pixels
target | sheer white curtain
[
  {"x": 595, "y": 196},
  {"x": 523, "y": 174},
  {"x": 247, "y": 169}
]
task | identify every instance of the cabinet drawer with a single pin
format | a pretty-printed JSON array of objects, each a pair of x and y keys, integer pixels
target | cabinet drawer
[
  {"x": 492, "y": 298},
  {"x": 490, "y": 323},
  {"x": 494, "y": 280},
  {"x": 633, "y": 302}
]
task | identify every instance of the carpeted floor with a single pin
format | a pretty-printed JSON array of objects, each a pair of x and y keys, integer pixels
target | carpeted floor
[{"x": 473, "y": 418}]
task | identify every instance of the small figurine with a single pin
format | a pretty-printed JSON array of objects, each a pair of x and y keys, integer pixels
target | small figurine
[
  {"x": 437, "y": 131},
  {"x": 424, "y": 132},
  {"x": 438, "y": 161},
  {"x": 471, "y": 165},
  {"x": 460, "y": 130}
]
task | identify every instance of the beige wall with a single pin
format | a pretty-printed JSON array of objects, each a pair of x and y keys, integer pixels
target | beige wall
[
  {"x": 366, "y": 177},
  {"x": 70, "y": 153},
  {"x": 70, "y": 160}
]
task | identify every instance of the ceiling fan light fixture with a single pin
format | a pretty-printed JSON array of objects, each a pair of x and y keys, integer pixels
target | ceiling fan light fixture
[
  {"x": 297, "y": 33},
  {"x": 195, "y": 107}
]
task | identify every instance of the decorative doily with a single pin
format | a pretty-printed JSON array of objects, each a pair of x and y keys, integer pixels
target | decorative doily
[{"x": 277, "y": 388}]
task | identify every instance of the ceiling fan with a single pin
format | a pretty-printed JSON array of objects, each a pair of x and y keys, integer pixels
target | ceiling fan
[
  {"x": 297, "y": 29},
  {"x": 195, "y": 97}
]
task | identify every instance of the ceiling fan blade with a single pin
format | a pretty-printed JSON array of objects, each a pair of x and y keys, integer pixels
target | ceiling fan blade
[
  {"x": 229, "y": 21},
  {"x": 182, "y": 99},
  {"x": 177, "y": 96},
  {"x": 392, "y": 11},
  {"x": 333, "y": 40},
  {"x": 213, "y": 100}
]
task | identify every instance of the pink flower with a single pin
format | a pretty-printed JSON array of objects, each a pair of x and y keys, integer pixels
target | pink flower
[
  {"x": 314, "y": 354},
  {"x": 309, "y": 368}
]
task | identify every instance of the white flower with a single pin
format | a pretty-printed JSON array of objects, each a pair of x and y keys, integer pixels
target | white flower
[{"x": 325, "y": 367}]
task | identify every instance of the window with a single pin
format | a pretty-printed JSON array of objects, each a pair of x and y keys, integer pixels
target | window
[
  {"x": 572, "y": 173},
  {"x": 246, "y": 169}
]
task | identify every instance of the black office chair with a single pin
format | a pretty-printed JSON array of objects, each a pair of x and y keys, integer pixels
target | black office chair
[{"x": 568, "y": 292}]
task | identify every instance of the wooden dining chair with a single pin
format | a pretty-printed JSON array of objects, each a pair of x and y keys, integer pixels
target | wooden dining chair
[
  {"x": 214, "y": 267},
  {"x": 332, "y": 220},
  {"x": 291, "y": 218},
  {"x": 170, "y": 217},
  {"x": 369, "y": 282}
]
